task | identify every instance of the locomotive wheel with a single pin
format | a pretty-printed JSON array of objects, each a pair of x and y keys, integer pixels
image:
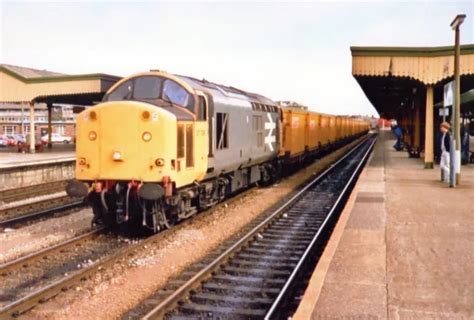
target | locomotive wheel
[{"x": 103, "y": 218}]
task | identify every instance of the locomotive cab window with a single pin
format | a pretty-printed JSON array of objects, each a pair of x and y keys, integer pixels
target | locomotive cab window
[
  {"x": 152, "y": 88},
  {"x": 122, "y": 92},
  {"x": 202, "y": 109}
]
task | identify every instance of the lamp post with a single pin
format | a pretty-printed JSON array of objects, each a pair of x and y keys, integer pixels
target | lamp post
[{"x": 457, "y": 95}]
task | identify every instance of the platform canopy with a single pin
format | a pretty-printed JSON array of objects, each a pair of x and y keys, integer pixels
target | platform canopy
[
  {"x": 392, "y": 77},
  {"x": 405, "y": 83},
  {"x": 27, "y": 85},
  {"x": 30, "y": 86}
]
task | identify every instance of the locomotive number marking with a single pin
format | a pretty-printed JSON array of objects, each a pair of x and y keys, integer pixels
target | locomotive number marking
[{"x": 270, "y": 138}]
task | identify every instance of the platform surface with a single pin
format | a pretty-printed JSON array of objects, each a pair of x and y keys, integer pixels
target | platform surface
[
  {"x": 403, "y": 247},
  {"x": 9, "y": 157}
]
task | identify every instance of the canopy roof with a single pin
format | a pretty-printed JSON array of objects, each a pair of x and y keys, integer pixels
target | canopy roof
[
  {"x": 394, "y": 79},
  {"x": 428, "y": 65},
  {"x": 23, "y": 85}
]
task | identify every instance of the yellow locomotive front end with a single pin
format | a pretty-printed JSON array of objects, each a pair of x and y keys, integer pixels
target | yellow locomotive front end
[
  {"x": 137, "y": 148},
  {"x": 125, "y": 140}
]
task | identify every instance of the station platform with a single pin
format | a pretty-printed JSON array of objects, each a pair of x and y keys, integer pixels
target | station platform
[
  {"x": 17, "y": 159},
  {"x": 403, "y": 247}
]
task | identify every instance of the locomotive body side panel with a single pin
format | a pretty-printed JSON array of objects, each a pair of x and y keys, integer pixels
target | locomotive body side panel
[{"x": 242, "y": 137}]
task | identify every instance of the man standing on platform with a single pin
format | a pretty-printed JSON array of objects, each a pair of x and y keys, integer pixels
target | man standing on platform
[
  {"x": 397, "y": 131},
  {"x": 445, "y": 147}
]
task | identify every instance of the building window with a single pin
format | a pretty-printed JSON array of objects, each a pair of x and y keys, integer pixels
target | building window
[
  {"x": 61, "y": 130},
  {"x": 9, "y": 130},
  {"x": 222, "y": 132}
]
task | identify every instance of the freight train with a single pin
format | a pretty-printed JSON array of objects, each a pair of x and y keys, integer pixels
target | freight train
[{"x": 161, "y": 147}]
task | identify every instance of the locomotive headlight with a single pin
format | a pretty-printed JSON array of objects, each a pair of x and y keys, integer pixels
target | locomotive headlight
[
  {"x": 146, "y": 136},
  {"x": 92, "y": 135},
  {"x": 146, "y": 115},
  {"x": 117, "y": 156}
]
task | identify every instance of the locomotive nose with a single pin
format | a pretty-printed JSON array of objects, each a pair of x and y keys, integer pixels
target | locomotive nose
[
  {"x": 118, "y": 143},
  {"x": 122, "y": 142}
]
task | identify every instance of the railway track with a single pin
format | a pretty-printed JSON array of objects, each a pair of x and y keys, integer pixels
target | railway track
[
  {"x": 262, "y": 274},
  {"x": 12, "y": 195},
  {"x": 23, "y": 213},
  {"x": 45, "y": 282},
  {"x": 37, "y": 277}
]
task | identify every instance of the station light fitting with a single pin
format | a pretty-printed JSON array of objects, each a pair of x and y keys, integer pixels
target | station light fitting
[{"x": 458, "y": 21}]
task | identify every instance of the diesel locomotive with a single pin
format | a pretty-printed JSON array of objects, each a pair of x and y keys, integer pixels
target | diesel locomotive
[{"x": 161, "y": 147}]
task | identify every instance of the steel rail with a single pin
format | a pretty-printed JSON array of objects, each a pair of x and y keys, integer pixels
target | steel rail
[
  {"x": 43, "y": 213},
  {"x": 304, "y": 257},
  {"x": 28, "y": 259},
  {"x": 171, "y": 301},
  {"x": 17, "y": 194},
  {"x": 41, "y": 295}
]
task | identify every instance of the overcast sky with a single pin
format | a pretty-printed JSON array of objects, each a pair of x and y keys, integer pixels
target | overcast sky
[{"x": 285, "y": 51}]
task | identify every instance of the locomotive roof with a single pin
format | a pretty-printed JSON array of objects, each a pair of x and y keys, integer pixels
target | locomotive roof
[{"x": 225, "y": 91}]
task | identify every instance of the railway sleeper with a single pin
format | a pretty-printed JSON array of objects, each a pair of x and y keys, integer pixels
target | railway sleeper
[
  {"x": 217, "y": 312},
  {"x": 262, "y": 264},
  {"x": 278, "y": 245},
  {"x": 247, "y": 280},
  {"x": 249, "y": 302},
  {"x": 269, "y": 258},
  {"x": 244, "y": 271},
  {"x": 228, "y": 289},
  {"x": 231, "y": 302},
  {"x": 274, "y": 252}
]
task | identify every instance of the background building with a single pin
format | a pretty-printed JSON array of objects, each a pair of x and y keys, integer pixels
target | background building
[{"x": 15, "y": 119}]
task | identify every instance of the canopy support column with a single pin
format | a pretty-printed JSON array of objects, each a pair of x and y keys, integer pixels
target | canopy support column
[
  {"x": 32, "y": 127},
  {"x": 50, "y": 127},
  {"x": 429, "y": 128},
  {"x": 417, "y": 126}
]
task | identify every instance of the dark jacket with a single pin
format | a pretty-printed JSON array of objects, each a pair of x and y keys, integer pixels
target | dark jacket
[
  {"x": 398, "y": 132},
  {"x": 447, "y": 141}
]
